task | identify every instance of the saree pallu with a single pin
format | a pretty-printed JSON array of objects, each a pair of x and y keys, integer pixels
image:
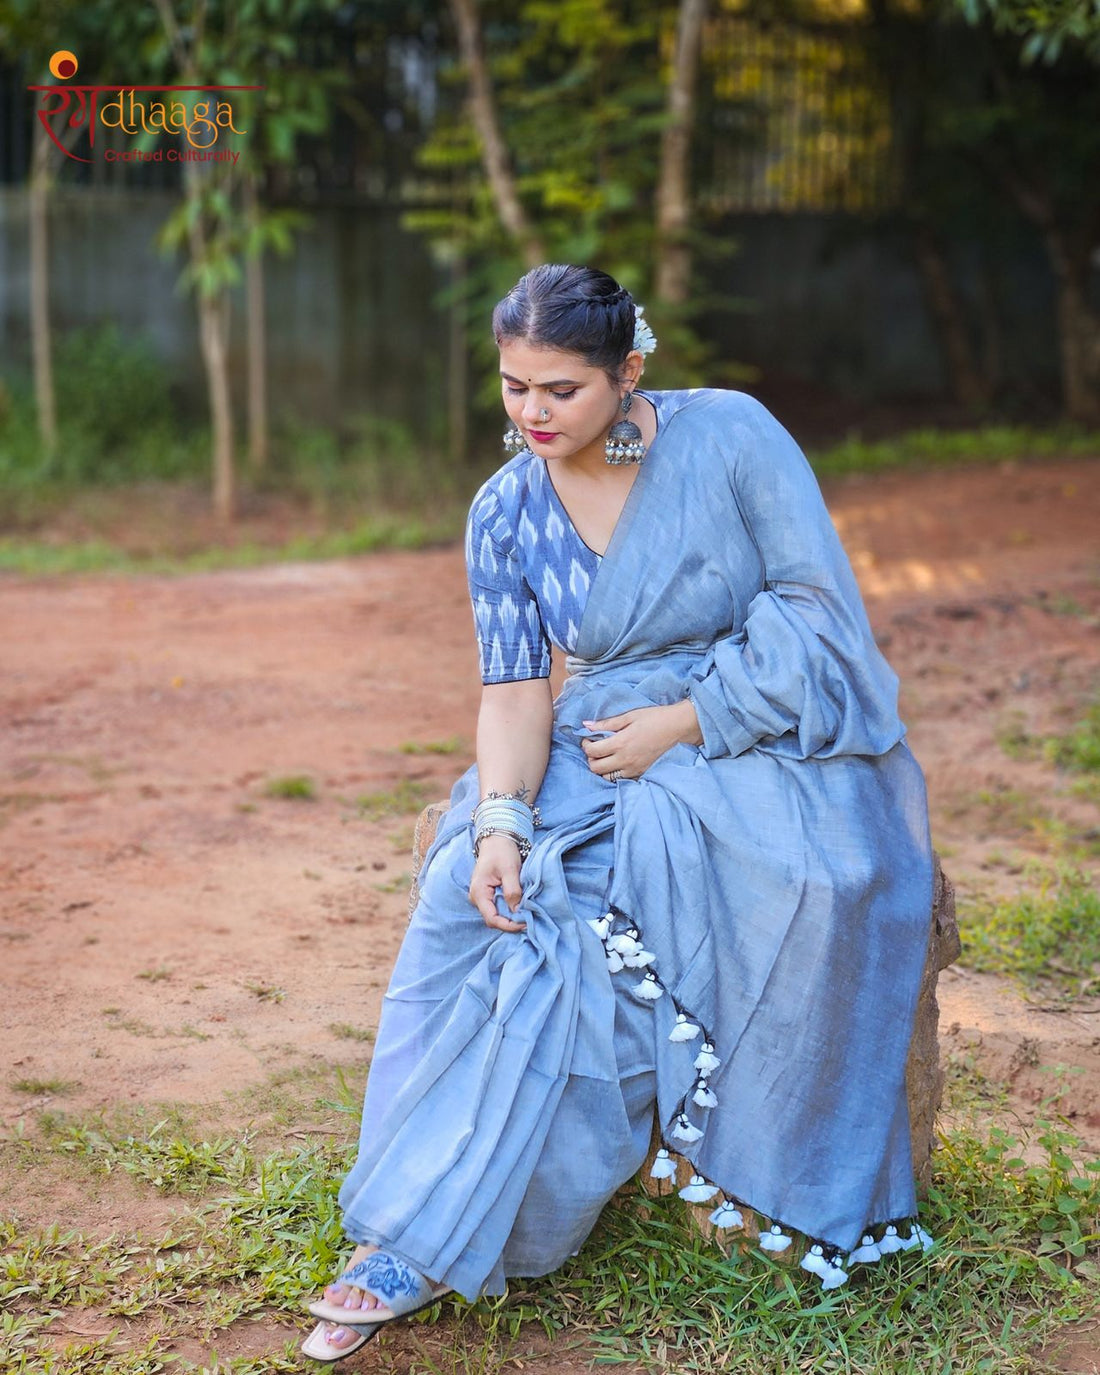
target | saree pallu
[{"x": 736, "y": 937}]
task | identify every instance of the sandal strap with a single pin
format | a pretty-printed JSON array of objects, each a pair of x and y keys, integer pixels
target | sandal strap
[{"x": 396, "y": 1284}]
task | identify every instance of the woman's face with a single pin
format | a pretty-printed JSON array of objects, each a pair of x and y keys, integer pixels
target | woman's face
[{"x": 580, "y": 402}]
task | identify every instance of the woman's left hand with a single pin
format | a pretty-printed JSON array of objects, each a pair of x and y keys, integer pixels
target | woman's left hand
[{"x": 641, "y": 737}]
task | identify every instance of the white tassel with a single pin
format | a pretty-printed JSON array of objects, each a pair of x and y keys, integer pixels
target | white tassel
[
  {"x": 706, "y": 1060},
  {"x": 834, "y": 1277},
  {"x": 614, "y": 961},
  {"x": 639, "y": 959},
  {"x": 890, "y": 1242},
  {"x": 624, "y": 942},
  {"x": 601, "y": 926},
  {"x": 919, "y": 1237},
  {"x": 726, "y": 1215},
  {"x": 649, "y": 987},
  {"x": 814, "y": 1261},
  {"x": 774, "y": 1239},
  {"x": 867, "y": 1252},
  {"x": 683, "y": 1030},
  {"x": 704, "y": 1095},
  {"x": 684, "y": 1131},
  {"x": 697, "y": 1190},
  {"x": 664, "y": 1167}
]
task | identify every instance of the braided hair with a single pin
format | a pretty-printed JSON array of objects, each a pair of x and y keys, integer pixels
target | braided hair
[{"x": 575, "y": 309}]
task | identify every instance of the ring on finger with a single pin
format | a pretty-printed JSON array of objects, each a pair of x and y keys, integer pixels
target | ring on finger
[{"x": 615, "y": 775}]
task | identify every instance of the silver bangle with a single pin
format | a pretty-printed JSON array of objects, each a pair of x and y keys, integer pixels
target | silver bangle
[
  {"x": 523, "y": 843},
  {"x": 506, "y": 814}
]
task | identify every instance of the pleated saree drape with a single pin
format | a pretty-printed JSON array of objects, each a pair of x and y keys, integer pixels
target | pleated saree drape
[{"x": 763, "y": 900}]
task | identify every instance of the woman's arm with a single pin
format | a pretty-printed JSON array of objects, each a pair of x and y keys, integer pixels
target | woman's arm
[{"x": 513, "y": 746}]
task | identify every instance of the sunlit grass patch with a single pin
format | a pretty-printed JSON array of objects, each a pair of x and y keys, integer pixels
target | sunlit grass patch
[{"x": 1051, "y": 937}]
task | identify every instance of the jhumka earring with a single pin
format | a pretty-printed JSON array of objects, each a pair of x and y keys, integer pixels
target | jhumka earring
[
  {"x": 624, "y": 439},
  {"x": 514, "y": 440}
]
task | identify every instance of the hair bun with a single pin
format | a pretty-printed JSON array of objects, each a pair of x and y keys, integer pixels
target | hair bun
[{"x": 576, "y": 309}]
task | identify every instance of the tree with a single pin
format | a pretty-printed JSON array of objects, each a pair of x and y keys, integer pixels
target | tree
[
  {"x": 32, "y": 28},
  {"x": 222, "y": 219},
  {"x": 573, "y": 143},
  {"x": 672, "y": 281},
  {"x": 1048, "y": 27},
  {"x": 1037, "y": 137}
]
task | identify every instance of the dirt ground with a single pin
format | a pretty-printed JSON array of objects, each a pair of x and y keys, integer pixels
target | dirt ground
[{"x": 171, "y": 932}]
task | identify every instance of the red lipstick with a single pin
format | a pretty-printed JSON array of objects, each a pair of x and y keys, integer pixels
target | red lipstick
[{"x": 543, "y": 436}]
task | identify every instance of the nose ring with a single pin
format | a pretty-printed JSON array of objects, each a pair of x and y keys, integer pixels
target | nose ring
[{"x": 544, "y": 415}]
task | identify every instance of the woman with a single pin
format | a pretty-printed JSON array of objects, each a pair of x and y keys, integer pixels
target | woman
[{"x": 718, "y": 910}]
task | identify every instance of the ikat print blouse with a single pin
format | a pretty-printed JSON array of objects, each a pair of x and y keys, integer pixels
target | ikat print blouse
[{"x": 528, "y": 568}]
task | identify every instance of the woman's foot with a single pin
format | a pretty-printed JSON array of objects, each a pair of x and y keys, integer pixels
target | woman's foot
[
  {"x": 374, "y": 1288},
  {"x": 340, "y": 1338},
  {"x": 346, "y": 1295}
]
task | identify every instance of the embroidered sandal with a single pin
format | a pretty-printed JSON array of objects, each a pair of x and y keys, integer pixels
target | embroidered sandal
[{"x": 396, "y": 1285}]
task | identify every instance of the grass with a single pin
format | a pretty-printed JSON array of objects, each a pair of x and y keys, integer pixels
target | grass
[
  {"x": 407, "y": 795},
  {"x": 254, "y": 1232},
  {"x": 297, "y": 787},
  {"x": 1076, "y": 750},
  {"x": 398, "y": 884},
  {"x": 42, "y": 1086},
  {"x": 452, "y": 745},
  {"x": 37, "y": 558},
  {"x": 1016, "y": 813},
  {"x": 318, "y": 476},
  {"x": 1079, "y": 749},
  {"x": 267, "y": 993},
  {"x": 346, "y": 1032},
  {"x": 931, "y": 448},
  {"x": 1047, "y": 939}
]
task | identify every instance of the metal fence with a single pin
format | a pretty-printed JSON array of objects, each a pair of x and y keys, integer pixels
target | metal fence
[
  {"x": 792, "y": 118},
  {"x": 800, "y": 120}
]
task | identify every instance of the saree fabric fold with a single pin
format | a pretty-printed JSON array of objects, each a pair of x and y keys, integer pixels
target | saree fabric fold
[{"x": 734, "y": 940}]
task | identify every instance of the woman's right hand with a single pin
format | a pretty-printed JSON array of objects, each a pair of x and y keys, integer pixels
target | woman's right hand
[{"x": 497, "y": 867}]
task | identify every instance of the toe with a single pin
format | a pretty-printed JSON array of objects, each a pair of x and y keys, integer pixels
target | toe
[
  {"x": 341, "y": 1337},
  {"x": 359, "y": 1298}
]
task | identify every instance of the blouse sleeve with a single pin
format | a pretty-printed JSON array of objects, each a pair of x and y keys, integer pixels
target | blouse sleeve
[
  {"x": 512, "y": 641},
  {"x": 804, "y": 665}
]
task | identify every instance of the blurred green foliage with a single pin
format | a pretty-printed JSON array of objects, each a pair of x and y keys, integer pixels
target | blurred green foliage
[
  {"x": 117, "y": 424},
  {"x": 933, "y": 448},
  {"x": 581, "y": 90}
]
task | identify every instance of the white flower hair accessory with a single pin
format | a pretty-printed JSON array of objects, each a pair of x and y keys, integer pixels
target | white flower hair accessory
[{"x": 645, "y": 341}]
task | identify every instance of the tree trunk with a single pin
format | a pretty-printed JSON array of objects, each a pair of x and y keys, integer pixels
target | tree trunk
[
  {"x": 213, "y": 308},
  {"x": 968, "y": 387},
  {"x": 214, "y": 338},
  {"x": 458, "y": 381},
  {"x": 1078, "y": 323},
  {"x": 672, "y": 281},
  {"x": 1078, "y": 330},
  {"x": 41, "y": 347},
  {"x": 257, "y": 339},
  {"x": 494, "y": 154}
]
